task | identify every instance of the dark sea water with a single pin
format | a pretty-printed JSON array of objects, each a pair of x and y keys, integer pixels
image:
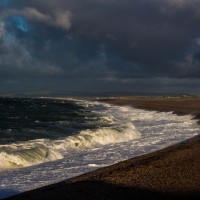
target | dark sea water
[
  {"x": 46, "y": 140},
  {"x": 24, "y": 119}
]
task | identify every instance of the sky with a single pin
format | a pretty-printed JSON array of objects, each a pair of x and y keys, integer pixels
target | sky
[{"x": 147, "y": 46}]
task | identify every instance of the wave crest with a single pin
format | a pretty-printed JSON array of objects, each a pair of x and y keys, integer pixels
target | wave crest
[
  {"x": 99, "y": 137},
  {"x": 40, "y": 151},
  {"x": 27, "y": 157}
]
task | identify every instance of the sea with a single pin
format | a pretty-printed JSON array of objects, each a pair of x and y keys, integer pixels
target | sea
[{"x": 47, "y": 140}]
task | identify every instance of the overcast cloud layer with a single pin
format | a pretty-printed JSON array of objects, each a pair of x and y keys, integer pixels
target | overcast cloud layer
[{"x": 100, "y": 45}]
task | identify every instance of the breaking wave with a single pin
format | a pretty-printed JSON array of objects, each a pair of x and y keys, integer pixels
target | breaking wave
[
  {"x": 27, "y": 157},
  {"x": 43, "y": 150}
]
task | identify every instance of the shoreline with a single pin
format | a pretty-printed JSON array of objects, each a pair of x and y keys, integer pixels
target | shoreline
[
  {"x": 168, "y": 173},
  {"x": 177, "y": 105}
]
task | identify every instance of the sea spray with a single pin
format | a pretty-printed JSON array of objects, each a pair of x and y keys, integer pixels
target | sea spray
[
  {"x": 40, "y": 151},
  {"x": 27, "y": 157}
]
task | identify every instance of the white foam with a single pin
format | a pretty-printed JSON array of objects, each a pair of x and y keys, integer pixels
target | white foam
[
  {"x": 100, "y": 137},
  {"x": 24, "y": 156},
  {"x": 40, "y": 151}
]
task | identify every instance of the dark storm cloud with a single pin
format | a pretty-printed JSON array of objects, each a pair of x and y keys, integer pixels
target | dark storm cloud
[{"x": 102, "y": 42}]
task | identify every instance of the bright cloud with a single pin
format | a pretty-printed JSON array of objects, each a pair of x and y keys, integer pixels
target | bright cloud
[{"x": 57, "y": 18}]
